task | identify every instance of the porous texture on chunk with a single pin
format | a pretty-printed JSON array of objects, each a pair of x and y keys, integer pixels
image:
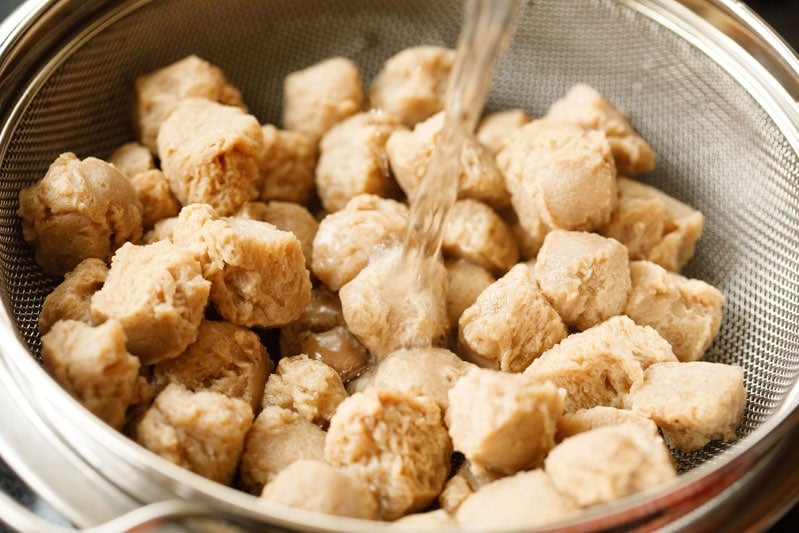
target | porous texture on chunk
[
  {"x": 257, "y": 272},
  {"x": 503, "y": 422},
  {"x": 201, "y": 431},
  {"x": 413, "y": 83},
  {"x": 352, "y": 160},
  {"x": 465, "y": 282},
  {"x": 347, "y": 239},
  {"x": 286, "y": 216},
  {"x": 321, "y": 333},
  {"x": 93, "y": 365},
  {"x": 645, "y": 343},
  {"x": 316, "y": 486},
  {"x": 386, "y": 309},
  {"x": 396, "y": 443},
  {"x": 72, "y": 298},
  {"x": 78, "y": 210},
  {"x": 525, "y": 500},
  {"x": 307, "y": 386},
  {"x": 686, "y": 312},
  {"x": 157, "y": 94},
  {"x": 225, "y": 358},
  {"x": 278, "y": 437},
  {"x": 584, "y": 106},
  {"x": 559, "y": 176},
  {"x": 132, "y": 158},
  {"x": 587, "y": 419},
  {"x": 409, "y": 153},
  {"x": 286, "y": 165},
  {"x": 158, "y": 294},
  {"x": 594, "y": 366},
  {"x": 475, "y": 232},
  {"x": 510, "y": 324},
  {"x": 162, "y": 231},
  {"x": 586, "y": 277},
  {"x": 209, "y": 153},
  {"x": 693, "y": 403},
  {"x": 430, "y": 372},
  {"x": 317, "y": 97},
  {"x": 155, "y": 195},
  {"x": 608, "y": 463},
  {"x": 653, "y": 225},
  {"x": 495, "y": 129}
]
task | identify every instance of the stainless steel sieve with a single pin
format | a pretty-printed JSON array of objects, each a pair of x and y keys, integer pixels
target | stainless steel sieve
[{"x": 707, "y": 83}]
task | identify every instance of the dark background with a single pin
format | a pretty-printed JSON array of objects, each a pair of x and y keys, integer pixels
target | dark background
[{"x": 782, "y": 15}]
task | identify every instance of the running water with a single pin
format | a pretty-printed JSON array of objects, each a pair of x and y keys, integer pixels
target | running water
[{"x": 487, "y": 28}]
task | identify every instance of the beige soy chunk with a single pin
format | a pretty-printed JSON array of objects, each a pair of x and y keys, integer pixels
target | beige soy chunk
[
  {"x": 465, "y": 282},
  {"x": 307, "y": 386},
  {"x": 586, "y": 277},
  {"x": 257, "y": 272},
  {"x": 347, "y": 239},
  {"x": 286, "y": 216},
  {"x": 158, "y": 294},
  {"x": 412, "y": 85},
  {"x": 584, "y": 106},
  {"x": 495, "y": 129},
  {"x": 559, "y": 176},
  {"x": 225, "y": 358},
  {"x": 475, "y": 232},
  {"x": 78, "y": 210},
  {"x": 155, "y": 195},
  {"x": 209, "y": 153},
  {"x": 314, "y": 485},
  {"x": 693, "y": 403},
  {"x": 503, "y": 422},
  {"x": 686, "y": 312},
  {"x": 317, "y": 97},
  {"x": 93, "y": 365},
  {"x": 587, "y": 419},
  {"x": 72, "y": 298},
  {"x": 525, "y": 500},
  {"x": 132, "y": 158},
  {"x": 156, "y": 95},
  {"x": 397, "y": 443},
  {"x": 409, "y": 153},
  {"x": 385, "y": 315},
  {"x": 320, "y": 333},
  {"x": 645, "y": 344},
  {"x": 430, "y": 372},
  {"x": 286, "y": 165},
  {"x": 608, "y": 463},
  {"x": 278, "y": 437},
  {"x": 353, "y": 161},
  {"x": 201, "y": 431},
  {"x": 654, "y": 226},
  {"x": 595, "y": 367},
  {"x": 510, "y": 324}
]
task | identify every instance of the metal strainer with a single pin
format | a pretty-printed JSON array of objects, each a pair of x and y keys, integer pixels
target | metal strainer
[{"x": 706, "y": 83}]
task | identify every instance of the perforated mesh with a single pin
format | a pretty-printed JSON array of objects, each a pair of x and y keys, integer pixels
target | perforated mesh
[{"x": 718, "y": 149}]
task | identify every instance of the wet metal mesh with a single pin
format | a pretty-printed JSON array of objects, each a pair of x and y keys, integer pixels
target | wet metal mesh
[{"x": 718, "y": 149}]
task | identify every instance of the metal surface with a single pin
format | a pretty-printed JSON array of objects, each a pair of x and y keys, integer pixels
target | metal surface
[{"x": 705, "y": 82}]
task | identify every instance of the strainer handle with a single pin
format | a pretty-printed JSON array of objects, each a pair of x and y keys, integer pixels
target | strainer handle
[{"x": 146, "y": 518}]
